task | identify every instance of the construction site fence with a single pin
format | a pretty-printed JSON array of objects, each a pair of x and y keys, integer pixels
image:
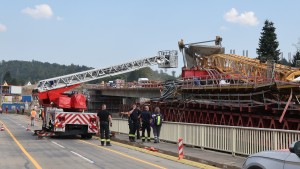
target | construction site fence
[{"x": 231, "y": 139}]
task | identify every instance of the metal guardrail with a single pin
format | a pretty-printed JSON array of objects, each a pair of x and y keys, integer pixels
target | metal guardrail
[
  {"x": 225, "y": 81},
  {"x": 232, "y": 139}
]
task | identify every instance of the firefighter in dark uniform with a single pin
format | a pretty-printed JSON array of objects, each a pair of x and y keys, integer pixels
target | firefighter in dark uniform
[
  {"x": 133, "y": 121},
  {"x": 105, "y": 120},
  {"x": 145, "y": 119},
  {"x": 138, "y": 125}
]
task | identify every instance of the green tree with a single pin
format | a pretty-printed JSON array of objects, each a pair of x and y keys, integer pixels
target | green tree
[
  {"x": 283, "y": 61},
  {"x": 268, "y": 43},
  {"x": 295, "y": 58},
  {"x": 7, "y": 77}
]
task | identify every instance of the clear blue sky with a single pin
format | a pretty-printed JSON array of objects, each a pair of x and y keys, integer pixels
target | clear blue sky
[{"x": 100, "y": 33}]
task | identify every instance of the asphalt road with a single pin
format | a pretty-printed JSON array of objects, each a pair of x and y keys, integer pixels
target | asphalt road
[{"x": 20, "y": 149}]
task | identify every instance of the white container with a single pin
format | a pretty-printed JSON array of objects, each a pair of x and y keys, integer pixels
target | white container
[{"x": 15, "y": 89}]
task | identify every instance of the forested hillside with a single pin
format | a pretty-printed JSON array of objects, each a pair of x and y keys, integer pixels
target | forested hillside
[{"x": 21, "y": 72}]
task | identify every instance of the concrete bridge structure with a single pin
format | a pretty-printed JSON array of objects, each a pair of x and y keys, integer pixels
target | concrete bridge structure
[
  {"x": 115, "y": 98},
  {"x": 131, "y": 92}
]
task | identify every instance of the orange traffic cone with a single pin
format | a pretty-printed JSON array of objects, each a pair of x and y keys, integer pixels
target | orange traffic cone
[
  {"x": 2, "y": 128},
  {"x": 28, "y": 128}
]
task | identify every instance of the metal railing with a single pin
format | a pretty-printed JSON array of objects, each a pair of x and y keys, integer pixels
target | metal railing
[
  {"x": 232, "y": 139},
  {"x": 224, "y": 81}
]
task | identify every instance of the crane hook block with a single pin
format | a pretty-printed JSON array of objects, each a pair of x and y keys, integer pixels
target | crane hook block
[
  {"x": 218, "y": 40},
  {"x": 181, "y": 45}
]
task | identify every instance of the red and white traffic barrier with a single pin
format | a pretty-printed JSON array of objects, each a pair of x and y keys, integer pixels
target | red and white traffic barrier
[
  {"x": 180, "y": 148},
  {"x": 2, "y": 128}
]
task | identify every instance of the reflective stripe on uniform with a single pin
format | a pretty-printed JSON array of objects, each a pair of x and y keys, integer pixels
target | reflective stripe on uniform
[
  {"x": 158, "y": 120},
  {"x": 108, "y": 140},
  {"x": 102, "y": 139}
]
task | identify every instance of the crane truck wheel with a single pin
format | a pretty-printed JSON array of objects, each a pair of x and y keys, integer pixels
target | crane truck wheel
[
  {"x": 89, "y": 136},
  {"x": 86, "y": 136}
]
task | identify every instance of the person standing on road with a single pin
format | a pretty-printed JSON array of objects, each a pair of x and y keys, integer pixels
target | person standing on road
[
  {"x": 145, "y": 119},
  {"x": 0, "y": 109},
  {"x": 43, "y": 114},
  {"x": 133, "y": 121},
  {"x": 32, "y": 116},
  {"x": 105, "y": 120},
  {"x": 40, "y": 113},
  {"x": 138, "y": 125},
  {"x": 156, "y": 123},
  {"x": 129, "y": 122}
]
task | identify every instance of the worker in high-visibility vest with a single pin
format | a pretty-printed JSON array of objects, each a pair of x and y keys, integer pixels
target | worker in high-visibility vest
[
  {"x": 32, "y": 116},
  {"x": 156, "y": 123}
]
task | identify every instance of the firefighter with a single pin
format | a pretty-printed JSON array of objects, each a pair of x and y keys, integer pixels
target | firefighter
[
  {"x": 105, "y": 120},
  {"x": 145, "y": 119},
  {"x": 40, "y": 114},
  {"x": 156, "y": 123},
  {"x": 133, "y": 121},
  {"x": 138, "y": 125},
  {"x": 50, "y": 124}
]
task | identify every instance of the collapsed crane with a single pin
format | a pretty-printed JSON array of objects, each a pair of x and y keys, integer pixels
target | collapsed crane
[
  {"x": 63, "y": 111},
  {"x": 227, "y": 89}
]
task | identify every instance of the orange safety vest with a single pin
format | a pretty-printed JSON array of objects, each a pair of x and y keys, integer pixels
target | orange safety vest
[{"x": 33, "y": 113}]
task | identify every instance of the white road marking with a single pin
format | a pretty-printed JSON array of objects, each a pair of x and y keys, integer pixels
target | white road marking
[
  {"x": 82, "y": 157},
  {"x": 57, "y": 144}
]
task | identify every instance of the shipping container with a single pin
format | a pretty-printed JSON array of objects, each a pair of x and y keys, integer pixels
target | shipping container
[
  {"x": 15, "y": 89},
  {"x": 7, "y": 99},
  {"x": 13, "y": 106},
  {"x": 119, "y": 81},
  {"x": 5, "y": 89},
  {"x": 16, "y": 99},
  {"x": 27, "y": 98}
]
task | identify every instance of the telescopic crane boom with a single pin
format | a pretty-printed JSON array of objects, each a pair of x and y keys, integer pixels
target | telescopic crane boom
[{"x": 51, "y": 89}]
